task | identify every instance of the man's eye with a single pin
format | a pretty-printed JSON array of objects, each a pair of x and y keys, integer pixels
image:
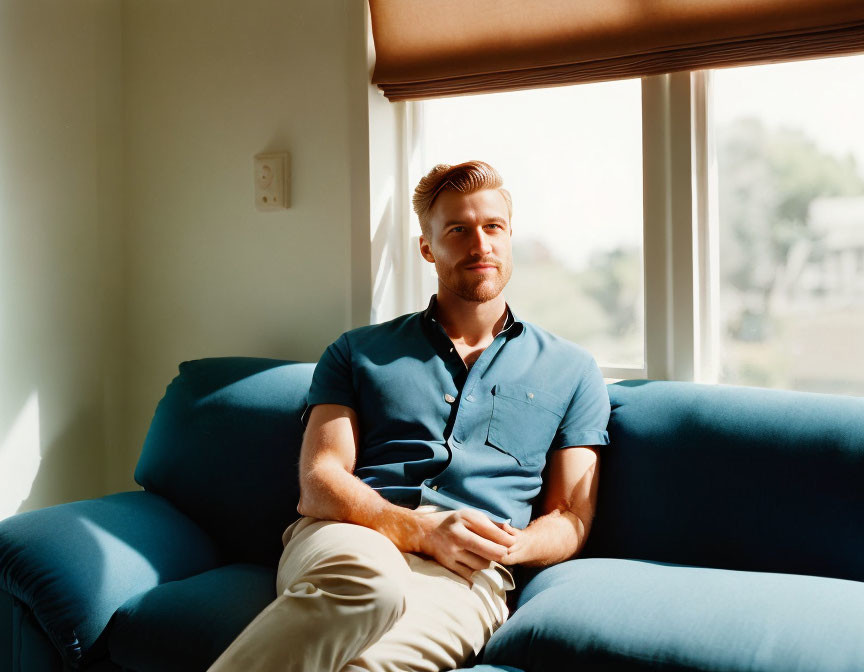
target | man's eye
[{"x": 457, "y": 229}]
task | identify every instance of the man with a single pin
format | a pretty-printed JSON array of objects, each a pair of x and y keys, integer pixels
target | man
[{"x": 426, "y": 439}]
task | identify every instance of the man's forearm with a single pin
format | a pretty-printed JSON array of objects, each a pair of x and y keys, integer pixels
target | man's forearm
[
  {"x": 551, "y": 538},
  {"x": 331, "y": 493}
]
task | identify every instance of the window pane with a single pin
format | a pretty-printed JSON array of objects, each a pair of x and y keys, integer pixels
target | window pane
[
  {"x": 572, "y": 160},
  {"x": 790, "y": 146}
]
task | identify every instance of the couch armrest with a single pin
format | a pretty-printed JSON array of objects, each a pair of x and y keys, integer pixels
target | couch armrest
[{"x": 74, "y": 564}]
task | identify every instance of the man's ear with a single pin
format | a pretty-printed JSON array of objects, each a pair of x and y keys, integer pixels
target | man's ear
[{"x": 426, "y": 251}]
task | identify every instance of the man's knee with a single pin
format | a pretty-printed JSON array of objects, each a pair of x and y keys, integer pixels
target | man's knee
[{"x": 346, "y": 586}]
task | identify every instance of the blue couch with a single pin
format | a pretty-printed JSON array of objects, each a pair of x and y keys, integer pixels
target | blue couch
[{"x": 729, "y": 536}]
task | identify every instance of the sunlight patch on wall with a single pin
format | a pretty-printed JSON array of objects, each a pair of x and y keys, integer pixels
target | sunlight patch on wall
[
  {"x": 385, "y": 253},
  {"x": 20, "y": 457}
]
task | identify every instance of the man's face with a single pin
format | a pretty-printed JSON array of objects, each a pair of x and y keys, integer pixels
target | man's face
[{"x": 470, "y": 243}]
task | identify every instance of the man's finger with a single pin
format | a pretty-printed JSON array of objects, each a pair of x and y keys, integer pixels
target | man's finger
[
  {"x": 458, "y": 568},
  {"x": 489, "y": 530},
  {"x": 478, "y": 544},
  {"x": 507, "y": 527},
  {"x": 473, "y": 560}
]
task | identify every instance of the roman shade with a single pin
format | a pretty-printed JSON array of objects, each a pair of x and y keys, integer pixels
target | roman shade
[{"x": 431, "y": 48}]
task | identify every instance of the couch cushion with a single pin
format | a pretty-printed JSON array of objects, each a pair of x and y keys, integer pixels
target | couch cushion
[
  {"x": 223, "y": 447},
  {"x": 733, "y": 477},
  {"x": 73, "y": 564},
  {"x": 185, "y": 625},
  {"x": 600, "y": 613}
]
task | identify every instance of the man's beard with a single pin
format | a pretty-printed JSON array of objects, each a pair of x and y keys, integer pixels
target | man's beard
[{"x": 480, "y": 288}]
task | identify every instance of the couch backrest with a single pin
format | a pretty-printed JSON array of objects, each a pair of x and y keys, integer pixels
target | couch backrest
[
  {"x": 733, "y": 477},
  {"x": 722, "y": 476},
  {"x": 223, "y": 447}
]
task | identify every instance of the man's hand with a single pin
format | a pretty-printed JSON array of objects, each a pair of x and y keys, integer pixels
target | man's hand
[
  {"x": 519, "y": 551},
  {"x": 569, "y": 504},
  {"x": 464, "y": 540}
]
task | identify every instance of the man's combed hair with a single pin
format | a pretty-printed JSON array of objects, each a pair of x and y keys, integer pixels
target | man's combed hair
[{"x": 465, "y": 178}]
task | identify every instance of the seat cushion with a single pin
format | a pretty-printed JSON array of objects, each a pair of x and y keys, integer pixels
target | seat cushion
[
  {"x": 185, "y": 625},
  {"x": 611, "y": 614}
]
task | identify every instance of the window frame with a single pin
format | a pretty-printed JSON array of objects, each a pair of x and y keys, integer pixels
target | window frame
[{"x": 680, "y": 230}]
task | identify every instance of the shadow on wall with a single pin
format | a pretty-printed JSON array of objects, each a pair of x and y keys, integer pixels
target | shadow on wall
[{"x": 64, "y": 473}]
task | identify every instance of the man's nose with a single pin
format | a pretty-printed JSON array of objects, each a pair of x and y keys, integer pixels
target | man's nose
[{"x": 480, "y": 243}]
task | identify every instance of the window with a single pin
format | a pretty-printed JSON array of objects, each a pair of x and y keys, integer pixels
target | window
[{"x": 790, "y": 147}]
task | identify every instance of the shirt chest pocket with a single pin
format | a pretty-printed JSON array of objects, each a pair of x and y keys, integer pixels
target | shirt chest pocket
[{"x": 524, "y": 421}]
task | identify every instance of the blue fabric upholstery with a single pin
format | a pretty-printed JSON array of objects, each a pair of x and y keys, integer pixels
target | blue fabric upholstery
[
  {"x": 224, "y": 446},
  {"x": 27, "y": 643},
  {"x": 8, "y": 619},
  {"x": 613, "y": 614},
  {"x": 184, "y": 625},
  {"x": 733, "y": 477},
  {"x": 24, "y": 646},
  {"x": 72, "y": 565}
]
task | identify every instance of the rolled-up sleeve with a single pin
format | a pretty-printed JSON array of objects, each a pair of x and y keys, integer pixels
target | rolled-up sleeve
[
  {"x": 587, "y": 416},
  {"x": 332, "y": 382}
]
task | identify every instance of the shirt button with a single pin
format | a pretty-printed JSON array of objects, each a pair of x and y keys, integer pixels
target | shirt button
[
  {"x": 470, "y": 397},
  {"x": 449, "y": 398},
  {"x": 451, "y": 349},
  {"x": 530, "y": 395},
  {"x": 434, "y": 487}
]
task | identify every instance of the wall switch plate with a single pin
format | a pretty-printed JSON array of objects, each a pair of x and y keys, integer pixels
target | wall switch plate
[{"x": 272, "y": 181}]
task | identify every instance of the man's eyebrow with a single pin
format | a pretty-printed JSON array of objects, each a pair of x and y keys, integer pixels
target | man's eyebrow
[{"x": 459, "y": 222}]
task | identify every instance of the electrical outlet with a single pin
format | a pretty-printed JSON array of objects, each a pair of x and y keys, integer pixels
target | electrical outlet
[{"x": 271, "y": 181}]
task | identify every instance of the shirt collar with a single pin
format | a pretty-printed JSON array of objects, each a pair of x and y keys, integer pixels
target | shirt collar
[{"x": 428, "y": 316}]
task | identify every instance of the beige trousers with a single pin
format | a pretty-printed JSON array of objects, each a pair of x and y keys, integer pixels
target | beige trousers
[{"x": 348, "y": 601}]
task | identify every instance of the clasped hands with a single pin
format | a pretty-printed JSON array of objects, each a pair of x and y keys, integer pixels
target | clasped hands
[{"x": 466, "y": 540}]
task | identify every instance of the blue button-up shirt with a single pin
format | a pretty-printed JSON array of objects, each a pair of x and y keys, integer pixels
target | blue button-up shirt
[{"x": 433, "y": 431}]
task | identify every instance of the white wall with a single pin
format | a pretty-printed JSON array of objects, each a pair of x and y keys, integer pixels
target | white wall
[
  {"x": 129, "y": 241},
  {"x": 61, "y": 229},
  {"x": 209, "y": 85}
]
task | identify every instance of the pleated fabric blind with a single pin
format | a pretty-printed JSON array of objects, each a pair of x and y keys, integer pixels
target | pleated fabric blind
[{"x": 432, "y": 48}]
